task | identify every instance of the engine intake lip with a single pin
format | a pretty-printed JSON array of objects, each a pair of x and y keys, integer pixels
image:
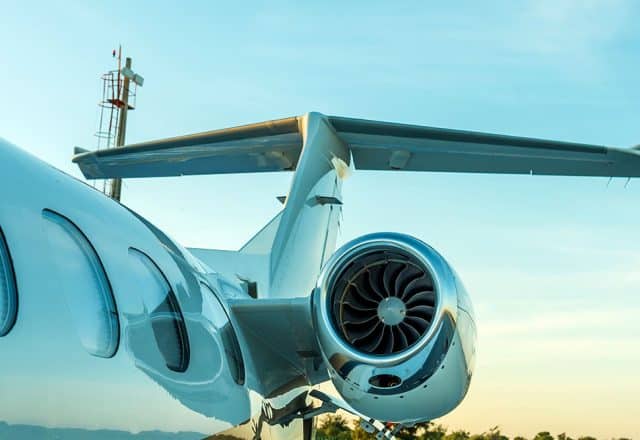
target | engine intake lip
[{"x": 412, "y": 252}]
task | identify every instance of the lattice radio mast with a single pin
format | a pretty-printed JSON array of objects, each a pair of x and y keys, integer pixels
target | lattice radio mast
[{"x": 119, "y": 89}]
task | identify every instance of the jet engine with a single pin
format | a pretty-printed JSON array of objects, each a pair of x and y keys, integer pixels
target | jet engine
[{"x": 395, "y": 327}]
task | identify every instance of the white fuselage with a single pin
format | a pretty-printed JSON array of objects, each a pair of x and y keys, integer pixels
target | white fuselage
[{"x": 49, "y": 376}]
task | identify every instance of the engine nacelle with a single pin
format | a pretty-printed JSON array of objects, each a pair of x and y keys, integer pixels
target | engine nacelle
[{"x": 395, "y": 327}]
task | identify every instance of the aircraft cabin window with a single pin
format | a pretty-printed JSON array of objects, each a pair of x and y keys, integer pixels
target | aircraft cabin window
[
  {"x": 212, "y": 309},
  {"x": 166, "y": 318},
  {"x": 85, "y": 286},
  {"x": 8, "y": 290}
]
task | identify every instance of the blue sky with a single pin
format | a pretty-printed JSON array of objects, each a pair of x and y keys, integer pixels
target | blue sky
[{"x": 551, "y": 263}]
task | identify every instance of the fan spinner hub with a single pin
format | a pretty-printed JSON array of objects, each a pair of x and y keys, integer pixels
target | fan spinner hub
[{"x": 392, "y": 310}]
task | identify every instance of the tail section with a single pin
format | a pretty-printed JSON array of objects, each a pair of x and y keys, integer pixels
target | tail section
[
  {"x": 285, "y": 257},
  {"x": 262, "y": 241},
  {"x": 293, "y": 246},
  {"x": 308, "y": 229}
]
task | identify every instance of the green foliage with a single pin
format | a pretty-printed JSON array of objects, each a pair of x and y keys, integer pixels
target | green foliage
[
  {"x": 432, "y": 432},
  {"x": 409, "y": 433},
  {"x": 336, "y": 427},
  {"x": 492, "y": 434},
  {"x": 458, "y": 435},
  {"x": 358, "y": 433},
  {"x": 495, "y": 434},
  {"x": 545, "y": 435}
]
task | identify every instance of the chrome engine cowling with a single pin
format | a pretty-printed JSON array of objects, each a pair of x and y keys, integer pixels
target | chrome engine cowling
[{"x": 395, "y": 327}]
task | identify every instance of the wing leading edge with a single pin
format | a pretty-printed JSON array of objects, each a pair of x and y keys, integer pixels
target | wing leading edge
[{"x": 276, "y": 146}]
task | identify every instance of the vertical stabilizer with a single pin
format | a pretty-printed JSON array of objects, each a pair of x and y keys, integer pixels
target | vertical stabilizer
[{"x": 307, "y": 231}]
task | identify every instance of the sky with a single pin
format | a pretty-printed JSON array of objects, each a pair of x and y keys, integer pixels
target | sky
[{"x": 551, "y": 263}]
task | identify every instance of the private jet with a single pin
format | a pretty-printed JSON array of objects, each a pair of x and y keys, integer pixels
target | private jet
[{"x": 111, "y": 328}]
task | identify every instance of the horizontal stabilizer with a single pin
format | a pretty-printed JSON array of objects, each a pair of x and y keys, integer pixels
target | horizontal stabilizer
[
  {"x": 268, "y": 146},
  {"x": 389, "y": 146},
  {"x": 276, "y": 146}
]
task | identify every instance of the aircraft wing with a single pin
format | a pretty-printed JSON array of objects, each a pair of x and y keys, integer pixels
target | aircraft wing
[{"x": 374, "y": 145}]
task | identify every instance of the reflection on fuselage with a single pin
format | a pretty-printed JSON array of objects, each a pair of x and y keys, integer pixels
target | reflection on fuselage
[{"x": 178, "y": 365}]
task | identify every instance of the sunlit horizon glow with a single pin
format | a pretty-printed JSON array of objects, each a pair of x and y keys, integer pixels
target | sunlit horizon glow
[{"x": 551, "y": 263}]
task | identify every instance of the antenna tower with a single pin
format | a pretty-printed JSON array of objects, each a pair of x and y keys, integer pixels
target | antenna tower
[{"x": 119, "y": 90}]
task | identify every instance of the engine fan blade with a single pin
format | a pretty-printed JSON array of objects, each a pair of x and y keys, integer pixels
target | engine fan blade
[
  {"x": 425, "y": 297},
  {"x": 389, "y": 343},
  {"x": 406, "y": 276},
  {"x": 352, "y": 304},
  {"x": 363, "y": 335},
  {"x": 391, "y": 273},
  {"x": 419, "y": 284},
  {"x": 410, "y": 332},
  {"x": 377, "y": 341},
  {"x": 400, "y": 337},
  {"x": 360, "y": 320},
  {"x": 374, "y": 277},
  {"x": 420, "y": 324},
  {"x": 421, "y": 310},
  {"x": 356, "y": 292}
]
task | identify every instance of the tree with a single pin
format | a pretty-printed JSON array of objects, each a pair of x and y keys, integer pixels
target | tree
[
  {"x": 336, "y": 427},
  {"x": 358, "y": 433},
  {"x": 495, "y": 434},
  {"x": 333, "y": 427},
  {"x": 411, "y": 432},
  {"x": 458, "y": 435},
  {"x": 432, "y": 432},
  {"x": 408, "y": 433},
  {"x": 544, "y": 435}
]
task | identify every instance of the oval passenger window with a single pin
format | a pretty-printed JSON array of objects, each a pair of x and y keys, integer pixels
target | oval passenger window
[
  {"x": 213, "y": 310},
  {"x": 85, "y": 286},
  {"x": 166, "y": 318},
  {"x": 8, "y": 290}
]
